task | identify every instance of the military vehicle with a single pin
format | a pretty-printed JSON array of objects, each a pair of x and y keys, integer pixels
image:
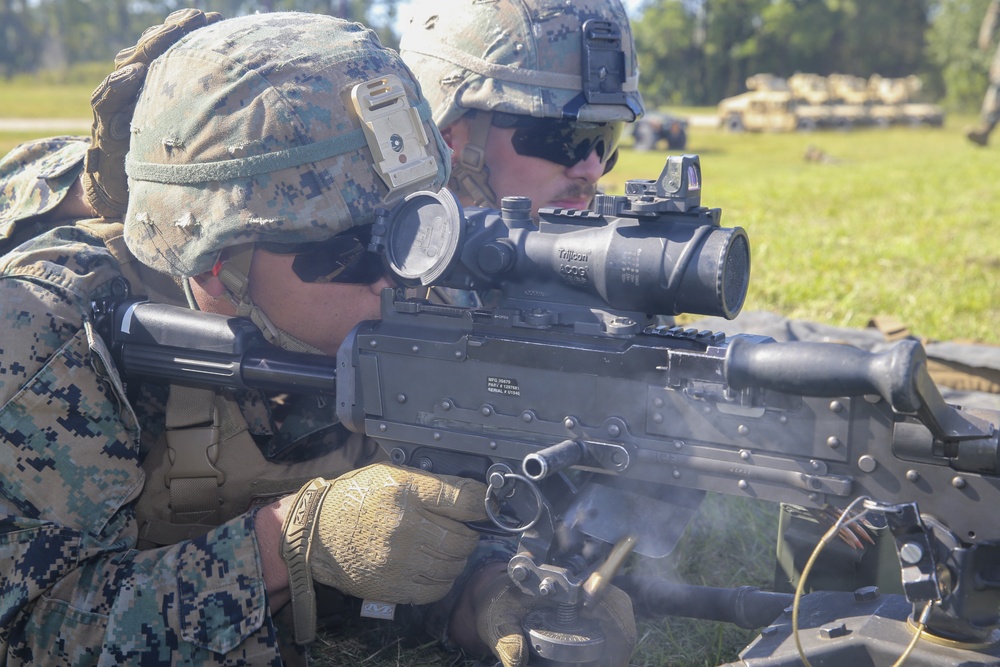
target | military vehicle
[
  {"x": 657, "y": 126},
  {"x": 848, "y": 100},
  {"x": 810, "y": 101},
  {"x": 887, "y": 99},
  {"x": 841, "y": 107},
  {"x": 896, "y": 100},
  {"x": 810, "y": 88},
  {"x": 769, "y": 105}
]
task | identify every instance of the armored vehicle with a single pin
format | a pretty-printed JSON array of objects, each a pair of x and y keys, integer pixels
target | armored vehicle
[
  {"x": 769, "y": 105},
  {"x": 810, "y": 101},
  {"x": 656, "y": 126},
  {"x": 896, "y": 100},
  {"x": 809, "y": 88},
  {"x": 848, "y": 100}
]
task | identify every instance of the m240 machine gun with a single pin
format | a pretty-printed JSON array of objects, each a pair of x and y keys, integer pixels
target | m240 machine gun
[{"x": 598, "y": 426}]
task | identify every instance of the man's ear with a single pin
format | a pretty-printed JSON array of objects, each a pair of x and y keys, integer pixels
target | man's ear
[
  {"x": 456, "y": 136},
  {"x": 210, "y": 284},
  {"x": 210, "y": 294}
]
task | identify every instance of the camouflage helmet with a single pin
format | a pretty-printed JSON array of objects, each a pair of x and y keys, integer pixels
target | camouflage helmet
[
  {"x": 278, "y": 128},
  {"x": 568, "y": 59}
]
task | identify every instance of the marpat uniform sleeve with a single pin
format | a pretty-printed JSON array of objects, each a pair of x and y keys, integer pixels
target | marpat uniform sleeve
[{"x": 74, "y": 589}]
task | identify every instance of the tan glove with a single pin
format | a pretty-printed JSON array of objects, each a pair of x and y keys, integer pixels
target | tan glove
[
  {"x": 501, "y": 607},
  {"x": 113, "y": 102},
  {"x": 381, "y": 532}
]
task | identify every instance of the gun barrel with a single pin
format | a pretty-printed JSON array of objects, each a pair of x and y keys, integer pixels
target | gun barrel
[{"x": 747, "y": 606}]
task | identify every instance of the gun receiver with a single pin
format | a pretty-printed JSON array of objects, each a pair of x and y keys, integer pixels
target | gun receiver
[{"x": 733, "y": 415}]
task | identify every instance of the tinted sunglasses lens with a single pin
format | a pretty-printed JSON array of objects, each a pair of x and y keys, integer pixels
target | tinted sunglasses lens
[
  {"x": 610, "y": 164},
  {"x": 566, "y": 142},
  {"x": 341, "y": 259}
]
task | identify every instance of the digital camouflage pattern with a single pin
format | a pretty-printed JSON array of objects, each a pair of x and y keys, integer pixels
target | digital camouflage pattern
[
  {"x": 75, "y": 590},
  {"x": 515, "y": 56},
  {"x": 74, "y": 587},
  {"x": 232, "y": 99},
  {"x": 113, "y": 103},
  {"x": 34, "y": 177}
]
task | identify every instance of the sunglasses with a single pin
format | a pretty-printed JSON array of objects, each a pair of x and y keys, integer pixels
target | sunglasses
[
  {"x": 565, "y": 142},
  {"x": 343, "y": 258}
]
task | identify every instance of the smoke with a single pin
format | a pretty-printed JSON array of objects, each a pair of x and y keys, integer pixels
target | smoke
[{"x": 730, "y": 541}]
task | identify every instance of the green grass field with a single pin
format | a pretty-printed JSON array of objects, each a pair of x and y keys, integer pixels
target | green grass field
[
  {"x": 64, "y": 94},
  {"x": 41, "y": 98},
  {"x": 898, "y": 222},
  {"x": 43, "y": 101}
]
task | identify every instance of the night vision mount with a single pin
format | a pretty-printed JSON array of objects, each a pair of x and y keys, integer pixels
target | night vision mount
[{"x": 653, "y": 251}]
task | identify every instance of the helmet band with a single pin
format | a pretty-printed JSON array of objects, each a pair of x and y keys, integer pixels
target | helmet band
[
  {"x": 226, "y": 170},
  {"x": 470, "y": 176},
  {"x": 235, "y": 276},
  {"x": 512, "y": 74}
]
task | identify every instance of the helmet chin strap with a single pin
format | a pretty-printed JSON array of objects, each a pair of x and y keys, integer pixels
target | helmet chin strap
[
  {"x": 234, "y": 274},
  {"x": 470, "y": 176}
]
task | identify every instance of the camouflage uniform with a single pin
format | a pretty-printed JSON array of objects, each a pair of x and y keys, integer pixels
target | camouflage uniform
[
  {"x": 76, "y": 451},
  {"x": 989, "y": 115},
  {"x": 75, "y": 591}
]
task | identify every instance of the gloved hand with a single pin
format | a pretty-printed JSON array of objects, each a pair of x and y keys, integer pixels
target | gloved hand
[
  {"x": 380, "y": 532},
  {"x": 501, "y": 606},
  {"x": 113, "y": 102}
]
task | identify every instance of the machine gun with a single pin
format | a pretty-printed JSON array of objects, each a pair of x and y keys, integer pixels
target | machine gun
[{"x": 598, "y": 426}]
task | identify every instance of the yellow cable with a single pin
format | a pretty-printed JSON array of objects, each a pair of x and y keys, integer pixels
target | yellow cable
[
  {"x": 800, "y": 588},
  {"x": 916, "y": 635}
]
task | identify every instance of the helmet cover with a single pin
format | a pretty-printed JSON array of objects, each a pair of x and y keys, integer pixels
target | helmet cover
[
  {"x": 571, "y": 59},
  {"x": 246, "y": 131}
]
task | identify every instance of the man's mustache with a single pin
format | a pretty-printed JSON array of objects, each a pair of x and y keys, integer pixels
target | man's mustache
[{"x": 577, "y": 191}]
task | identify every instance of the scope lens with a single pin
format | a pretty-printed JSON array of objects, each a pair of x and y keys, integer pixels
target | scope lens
[{"x": 736, "y": 274}]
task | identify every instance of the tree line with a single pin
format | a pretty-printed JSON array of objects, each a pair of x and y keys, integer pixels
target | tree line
[
  {"x": 691, "y": 52},
  {"x": 38, "y": 35},
  {"x": 696, "y": 52}
]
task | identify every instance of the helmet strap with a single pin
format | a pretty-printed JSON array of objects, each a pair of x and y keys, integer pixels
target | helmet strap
[
  {"x": 470, "y": 177},
  {"x": 234, "y": 274}
]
